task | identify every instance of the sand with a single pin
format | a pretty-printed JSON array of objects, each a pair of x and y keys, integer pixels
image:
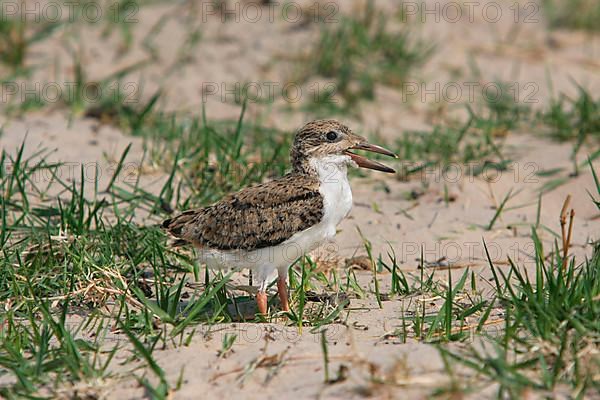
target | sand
[{"x": 278, "y": 361}]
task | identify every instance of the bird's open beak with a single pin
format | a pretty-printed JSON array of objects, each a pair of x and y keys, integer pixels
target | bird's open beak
[{"x": 364, "y": 162}]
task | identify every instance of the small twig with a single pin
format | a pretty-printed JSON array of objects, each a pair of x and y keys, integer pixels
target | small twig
[
  {"x": 499, "y": 210},
  {"x": 429, "y": 225},
  {"x": 566, "y": 234},
  {"x": 568, "y": 244},
  {"x": 325, "y": 354},
  {"x": 563, "y": 220}
]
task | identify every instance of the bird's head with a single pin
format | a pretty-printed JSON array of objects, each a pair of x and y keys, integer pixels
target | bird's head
[{"x": 332, "y": 140}]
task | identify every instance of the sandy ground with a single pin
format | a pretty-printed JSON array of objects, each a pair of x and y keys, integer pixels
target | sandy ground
[{"x": 521, "y": 53}]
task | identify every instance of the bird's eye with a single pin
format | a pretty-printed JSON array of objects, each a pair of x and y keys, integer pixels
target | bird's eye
[{"x": 332, "y": 135}]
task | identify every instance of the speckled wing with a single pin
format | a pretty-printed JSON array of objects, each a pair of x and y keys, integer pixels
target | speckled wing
[{"x": 258, "y": 216}]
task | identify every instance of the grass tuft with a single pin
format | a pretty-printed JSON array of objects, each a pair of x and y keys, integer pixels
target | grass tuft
[
  {"x": 575, "y": 14},
  {"x": 361, "y": 51}
]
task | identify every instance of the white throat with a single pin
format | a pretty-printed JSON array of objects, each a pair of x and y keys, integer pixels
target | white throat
[{"x": 335, "y": 189}]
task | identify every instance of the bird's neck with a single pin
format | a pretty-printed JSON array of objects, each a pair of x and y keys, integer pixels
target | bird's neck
[
  {"x": 301, "y": 166},
  {"x": 328, "y": 169}
]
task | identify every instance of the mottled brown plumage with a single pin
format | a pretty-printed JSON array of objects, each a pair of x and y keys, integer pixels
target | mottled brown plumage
[{"x": 258, "y": 216}]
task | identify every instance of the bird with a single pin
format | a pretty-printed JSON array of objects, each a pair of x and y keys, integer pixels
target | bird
[{"x": 269, "y": 226}]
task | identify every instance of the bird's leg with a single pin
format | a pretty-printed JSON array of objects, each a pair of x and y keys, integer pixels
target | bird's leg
[
  {"x": 261, "y": 295},
  {"x": 261, "y": 302},
  {"x": 282, "y": 291}
]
